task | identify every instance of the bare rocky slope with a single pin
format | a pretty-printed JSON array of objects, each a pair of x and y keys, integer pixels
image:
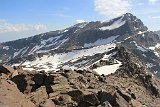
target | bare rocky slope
[{"x": 130, "y": 86}]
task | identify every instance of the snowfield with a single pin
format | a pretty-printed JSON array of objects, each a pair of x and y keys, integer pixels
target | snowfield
[
  {"x": 108, "y": 69},
  {"x": 115, "y": 25},
  {"x": 101, "y": 41},
  {"x": 57, "y": 61}
]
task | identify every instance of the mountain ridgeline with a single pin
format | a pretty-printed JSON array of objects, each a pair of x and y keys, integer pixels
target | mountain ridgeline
[
  {"x": 92, "y": 64},
  {"x": 77, "y": 46}
]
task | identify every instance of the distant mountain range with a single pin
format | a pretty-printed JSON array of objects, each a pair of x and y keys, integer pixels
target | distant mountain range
[{"x": 85, "y": 44}]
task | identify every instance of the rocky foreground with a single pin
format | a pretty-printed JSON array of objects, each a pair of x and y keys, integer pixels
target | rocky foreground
[{"x": 130, "y": 86}]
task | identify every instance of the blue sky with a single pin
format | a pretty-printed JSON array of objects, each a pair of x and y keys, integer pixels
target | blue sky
[{"x": 23, "y": 18}]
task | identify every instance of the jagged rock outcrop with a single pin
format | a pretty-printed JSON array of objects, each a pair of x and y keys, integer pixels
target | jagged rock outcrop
[{"x": 10, "y": 96}]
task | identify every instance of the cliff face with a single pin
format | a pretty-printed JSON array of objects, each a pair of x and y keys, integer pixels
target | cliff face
[{"x": 130, "y": 86}]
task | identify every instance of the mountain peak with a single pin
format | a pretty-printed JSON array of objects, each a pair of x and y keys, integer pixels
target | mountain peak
[
  {"x": 128, "y": 14},
  {"x": 134, "y": 23},
  {"x": 130, "y": 17},
  {"x": 81, "y": 38}
]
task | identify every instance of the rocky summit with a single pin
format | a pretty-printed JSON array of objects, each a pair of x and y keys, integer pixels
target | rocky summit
[{"x": 92, "y": 64}]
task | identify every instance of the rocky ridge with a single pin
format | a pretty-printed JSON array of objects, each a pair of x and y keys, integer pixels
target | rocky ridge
[{"x": 130, "y": 86}]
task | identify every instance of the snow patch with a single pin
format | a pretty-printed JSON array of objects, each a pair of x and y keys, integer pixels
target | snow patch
[
  {"x": 157, "y": 54},
  {"x": 53, "y": 41},
  {"x": 115, "y": 25},
  {"x": 128, "y": 38},
  {"x": 24, "y": 51},
  {"x": 110, "y": 56},
  {"x": 154, "y": 47},
  {"x": 60, "y": 43},
  {"x": 82, "y": 25},
  {"x": 155, "y": 72},
  {"x": 157, "y": 45},
  {"x": 144, "y": 55},
  {"x": 17, "y": 53},
  {"x": 139, "y": 47},
  {"x": 143, "y": 35},
  {"x": 28, "y": 69},
  {"x": 66, "y": 30},
  {"x": 149, "y": 65},
  {"x": 141, "y": 32},
  {"x": 108, "y": 69},
  {"x": 101, "y": 41},
  {"x": 6, "y": 47}
]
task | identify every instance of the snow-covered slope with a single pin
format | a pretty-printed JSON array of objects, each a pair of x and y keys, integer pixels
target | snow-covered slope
[
  {"x": 82, "y": 45},
  {"x": 116, "y": 24},
  {"x": 101, "y": 41},
  {"x": 71, "y": 59}
]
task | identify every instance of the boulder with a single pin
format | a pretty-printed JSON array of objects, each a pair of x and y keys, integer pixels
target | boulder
[
  {"x": 4, "y": 72},
  {"x": 92, "y": 99},
  {"x": 10, "y": 96},
  {"x": 8, "y": 71},
  {"x": 39, "y": 96},
  {"x": 105, "y": 96},
  {"x": 62, "y": 99}
]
